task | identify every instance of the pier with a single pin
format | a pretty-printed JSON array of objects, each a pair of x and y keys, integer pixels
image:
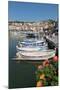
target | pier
[{"x": 52, "y": 43}]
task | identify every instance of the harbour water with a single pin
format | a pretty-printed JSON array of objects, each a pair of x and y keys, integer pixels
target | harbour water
[{"x": 21, "y": 74}]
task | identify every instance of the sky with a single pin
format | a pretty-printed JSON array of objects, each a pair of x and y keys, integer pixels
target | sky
[{"x": 25, "y": 11}]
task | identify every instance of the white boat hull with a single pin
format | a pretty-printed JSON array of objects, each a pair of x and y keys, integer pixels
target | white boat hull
[
  {"x": 38, "y": 55},
  {"x": 31, "y": 48}
]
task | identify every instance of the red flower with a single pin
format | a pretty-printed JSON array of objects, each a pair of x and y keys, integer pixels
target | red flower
[
  {"x": 46, "y": 63},
  {"x": 40, "y": 67},
  {"x": 55, "y": 58}
]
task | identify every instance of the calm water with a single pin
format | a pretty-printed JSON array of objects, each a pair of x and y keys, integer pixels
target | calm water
[{"x": 21, "y": 74}]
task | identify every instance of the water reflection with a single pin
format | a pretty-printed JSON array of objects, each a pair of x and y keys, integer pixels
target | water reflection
[{"x": 20, "y": 74}]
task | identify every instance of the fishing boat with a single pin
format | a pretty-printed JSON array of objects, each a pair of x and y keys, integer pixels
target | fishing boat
[
  {"x": 34, "y": 49},
  {"x": 32, "y": 45},
  {"x": 35, "y": 55}
]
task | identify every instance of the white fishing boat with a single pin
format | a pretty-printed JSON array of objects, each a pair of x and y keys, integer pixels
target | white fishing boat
[
  {"x": 35, "y": 55},
  {"x": 29, "y": 45},
  {"x": 33, "y": 49}
]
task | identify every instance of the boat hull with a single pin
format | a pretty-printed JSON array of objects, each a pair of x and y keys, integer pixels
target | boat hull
[
  {"x": 31, "y": 48},
  {"x": 39, "y": 55}
]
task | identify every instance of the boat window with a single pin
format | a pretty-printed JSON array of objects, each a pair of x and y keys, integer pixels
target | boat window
[{"x": 30, "y": 36}]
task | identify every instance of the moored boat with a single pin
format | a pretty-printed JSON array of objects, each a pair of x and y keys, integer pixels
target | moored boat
[
  {"x": 36, "y": 55},
  {"x": 32, "y": 45},
  {"x": 34, "y": 49}
]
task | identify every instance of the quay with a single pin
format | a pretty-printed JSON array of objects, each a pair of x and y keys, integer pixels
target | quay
[{"x": 52, "y": 43}]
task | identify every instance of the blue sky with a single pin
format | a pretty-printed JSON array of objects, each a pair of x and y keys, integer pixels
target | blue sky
[{"x": 24, "y": 11}]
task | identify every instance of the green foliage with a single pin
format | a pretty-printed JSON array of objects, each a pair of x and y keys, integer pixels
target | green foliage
[{"x": 50, "y": 74}]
